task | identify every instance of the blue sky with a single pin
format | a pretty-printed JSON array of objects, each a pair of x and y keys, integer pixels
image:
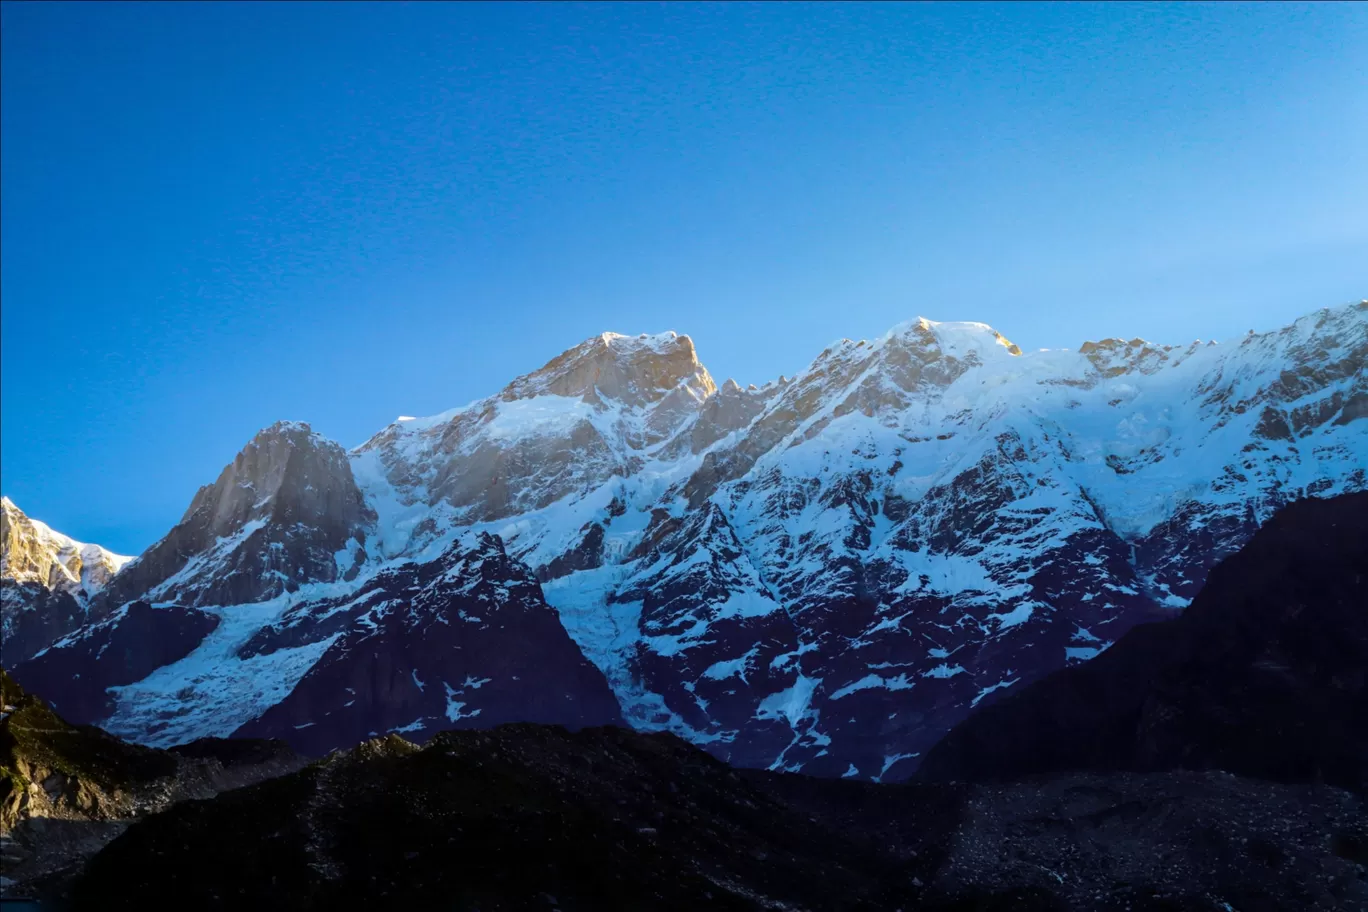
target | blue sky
[{"x": 216, "y": 216}]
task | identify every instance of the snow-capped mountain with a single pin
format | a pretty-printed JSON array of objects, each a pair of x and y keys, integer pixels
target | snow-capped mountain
[
  {"x": 824, "y": 573},
  {"x": 46, "y": 582}
]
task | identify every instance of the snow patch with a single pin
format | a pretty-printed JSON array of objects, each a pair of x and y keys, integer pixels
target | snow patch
[
  {"x": 790, "y": 704},
  {"x": 992, "y": 687}
]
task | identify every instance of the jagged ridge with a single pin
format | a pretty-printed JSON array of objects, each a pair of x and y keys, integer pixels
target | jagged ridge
[{"x": 825, "y": 573}]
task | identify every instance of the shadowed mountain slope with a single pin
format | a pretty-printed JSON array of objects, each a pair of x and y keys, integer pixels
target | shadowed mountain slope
[{"x": 1264, "y": 675}]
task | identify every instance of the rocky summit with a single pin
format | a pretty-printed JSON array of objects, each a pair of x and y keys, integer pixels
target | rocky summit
[{"x": 822, "y": 574}]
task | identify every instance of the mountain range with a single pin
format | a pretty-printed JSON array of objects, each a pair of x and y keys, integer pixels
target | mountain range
[
  {"x": 822, "y": 574},
  {"x": 1213, "y": 761}
]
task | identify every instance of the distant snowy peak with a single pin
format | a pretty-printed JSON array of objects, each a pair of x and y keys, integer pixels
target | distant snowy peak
[
  {"x": 603, "y": 408},
  {"x": 643, "y": 384},
  {"x": 35, "y": 553},
  {"x": 954, "y": 339},
  {"x": 47, "y": 582},
  {"x": 634, "y": 371}
]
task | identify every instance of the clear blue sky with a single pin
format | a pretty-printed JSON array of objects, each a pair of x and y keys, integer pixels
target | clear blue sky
[{"x": 216, "y": 216}]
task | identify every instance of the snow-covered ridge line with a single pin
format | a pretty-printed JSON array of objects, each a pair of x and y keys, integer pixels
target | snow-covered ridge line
[
  {"x": 822, "y": 573},
  {"x": 954, "y": 338},
  {"x": 54, "y": 553},
  {"x": 47, "y": 582}
]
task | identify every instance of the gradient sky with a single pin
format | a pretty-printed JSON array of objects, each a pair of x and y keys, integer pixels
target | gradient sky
[{"x": 216, "y": 216}]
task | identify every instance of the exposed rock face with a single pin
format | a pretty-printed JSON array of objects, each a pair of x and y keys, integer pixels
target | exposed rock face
[
  {"x": 65, "y": 791},
  {"x": 285, "y": 512},
  {"x": 823, "y": 574},
  {"x": 731, "y": 410},
  {"x": 633, "y": 370},
  {"x": 1265, "y": 675},
  {"x": 46, "y": 582},
  {"x": 34, "y": 553},
  {"x": 531, "y": 817},
  {"x": 464, "y": 641},
  {"x": 593, "y": 413}
]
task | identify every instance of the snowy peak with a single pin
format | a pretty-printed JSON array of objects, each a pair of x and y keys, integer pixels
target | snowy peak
[
  {"x": 960, "y": 340},
  {"x": 47, "y": 581},
  {"x": 285, "y": 511},
  {"x": 903, "y": 372},
  {"x": 598, "y": 410},
  {"x": 635, "y": 371},
  {"x": 35, "y": 553},
  {"x": 920, "y": 357}
]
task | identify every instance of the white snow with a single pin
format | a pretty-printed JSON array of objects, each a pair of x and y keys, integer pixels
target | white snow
[
  {"x": 455, "y": 708},
  {"x": 1005, "y": 682},
  {"x": 540, "y": 416},
  {"x": 211, "y": 692},
  {"x": 892, "y": 759},
  {"x": 727, "y": 668},
  {"x": 869, "y": 681},
  {"x": 790, "y": 704}
]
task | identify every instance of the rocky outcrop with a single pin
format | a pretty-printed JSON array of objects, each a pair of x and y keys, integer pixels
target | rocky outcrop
[
  {"x": 66, "y": 791},
  {"x": 632, "y": 370},
  {"x": 533, "y": 817},
  {"x": 47, "y": 581},
  {"x": 464, "y": 641},
  {"x": 285, "y": 512},
  {"x": 1264, "y": 675},
  {"x": 730, "y": 411}
]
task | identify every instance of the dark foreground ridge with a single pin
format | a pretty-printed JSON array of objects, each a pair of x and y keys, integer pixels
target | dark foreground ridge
[
  {"x": 1264, "y": 675},
  {"x": 66, "y": 790},
  {"x": 536, "y": 817}
]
